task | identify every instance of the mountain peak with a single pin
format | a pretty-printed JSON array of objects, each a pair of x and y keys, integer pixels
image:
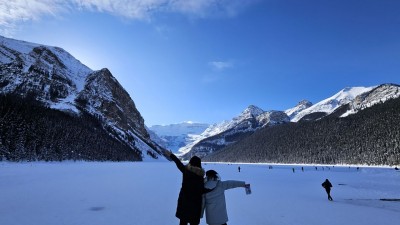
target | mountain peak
[
  {"x": 302, "y": 105},
  {"x": 252, "y": 111},
  {"x": 305, "y": 103}
]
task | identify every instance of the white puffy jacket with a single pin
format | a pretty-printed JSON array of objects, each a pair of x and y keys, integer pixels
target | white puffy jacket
[{"x": 214, "y": 201}]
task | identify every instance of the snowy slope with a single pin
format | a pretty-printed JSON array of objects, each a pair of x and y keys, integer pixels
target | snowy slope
[
  {"x": 377, "y": 95},
  {"x": 329, "y": 105},
  {"x": 53, "y": 60},
  {"x": 302, "y": 105}
]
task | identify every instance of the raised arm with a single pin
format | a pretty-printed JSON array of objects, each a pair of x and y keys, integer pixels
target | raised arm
[{"x": 178, "y": 163}]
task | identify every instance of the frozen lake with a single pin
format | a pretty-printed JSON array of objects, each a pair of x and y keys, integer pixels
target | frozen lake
[{"x": 92, "y": 193}]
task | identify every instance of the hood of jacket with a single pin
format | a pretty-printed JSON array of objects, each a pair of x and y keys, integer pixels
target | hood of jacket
[{"x": 196, "y": 170}]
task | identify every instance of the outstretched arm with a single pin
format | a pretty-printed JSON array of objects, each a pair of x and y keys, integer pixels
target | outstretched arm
[{"x": 228, "y": 184}]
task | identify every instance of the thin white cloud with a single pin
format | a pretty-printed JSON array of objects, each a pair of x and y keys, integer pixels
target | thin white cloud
[
  {"x": 132, "y": 9},
  {"x": 220, "y": 65},
  {"x": 17, "y": 11},
  {"x": 144, "y": 9},
  {"x": 14, "y": 12}
]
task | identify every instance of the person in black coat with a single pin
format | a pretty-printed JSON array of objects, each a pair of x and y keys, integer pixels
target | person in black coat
[
  {"x": 190, "y": 195},
  {"x": 327, "y": 185}
]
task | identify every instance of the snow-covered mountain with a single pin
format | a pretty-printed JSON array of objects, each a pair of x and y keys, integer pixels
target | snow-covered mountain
[
  {"x": 175, "y": 136},
  {"x": 62, "y": 82},
  {"x": 376, "y": 95},
  {"x": 219, "y": 135},
  {"x": 348, "y": 101},
  {"x": 329, "y": 105},
  {"x": 54, "y": 75},
  {"x": 302, "y": 105}
]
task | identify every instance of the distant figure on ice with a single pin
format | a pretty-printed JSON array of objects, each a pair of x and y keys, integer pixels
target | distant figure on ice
[
  {"x": 327, "y": 185},
  {"x": 293, "y": 170},
  {"x": 239, "y": 169},
  {"x": 214, "y": 204},
  {"x": 192, "y": 190}
]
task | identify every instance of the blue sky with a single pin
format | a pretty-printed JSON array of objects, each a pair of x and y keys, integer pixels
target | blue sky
[{"x": 207, "y": 60}]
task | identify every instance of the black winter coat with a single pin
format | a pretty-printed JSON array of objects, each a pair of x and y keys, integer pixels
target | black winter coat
[
  {"x": 327, "y": 185},
  {"x": 190, "y": 196}
]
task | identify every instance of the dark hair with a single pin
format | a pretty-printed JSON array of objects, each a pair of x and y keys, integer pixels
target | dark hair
[
  {"x": 212, "y": 174},
  {"x": 195, "y": 161}
]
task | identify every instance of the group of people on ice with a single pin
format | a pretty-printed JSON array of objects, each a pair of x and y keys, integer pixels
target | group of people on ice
[{"x": 199, "y": 195}]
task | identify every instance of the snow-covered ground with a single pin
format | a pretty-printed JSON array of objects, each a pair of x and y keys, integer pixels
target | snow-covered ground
[{"x": 145, "y": 193}]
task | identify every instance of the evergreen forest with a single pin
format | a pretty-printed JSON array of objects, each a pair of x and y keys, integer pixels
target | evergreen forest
[{"x": 30, "y": 131}]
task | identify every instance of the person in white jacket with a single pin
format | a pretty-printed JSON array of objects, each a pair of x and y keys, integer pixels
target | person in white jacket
[{"x": 214, "y": 201}]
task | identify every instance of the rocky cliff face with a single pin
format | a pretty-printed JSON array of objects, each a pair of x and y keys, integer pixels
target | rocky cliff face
[
  {"x": 50, "y": 73},
  {"x": 54, "y": 77},
  {"x": 104, "y": 96}
]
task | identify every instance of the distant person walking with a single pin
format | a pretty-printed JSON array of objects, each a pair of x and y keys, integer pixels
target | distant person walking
[
  {"x": 215, "y": 204},
  {"x": 190, "y": 195},
  {"x": 327, "y": 185},
  {"x": 239, "y": 169}
]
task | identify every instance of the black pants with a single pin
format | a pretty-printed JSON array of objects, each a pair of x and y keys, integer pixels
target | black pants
[{"x": 328, "y": 191}]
